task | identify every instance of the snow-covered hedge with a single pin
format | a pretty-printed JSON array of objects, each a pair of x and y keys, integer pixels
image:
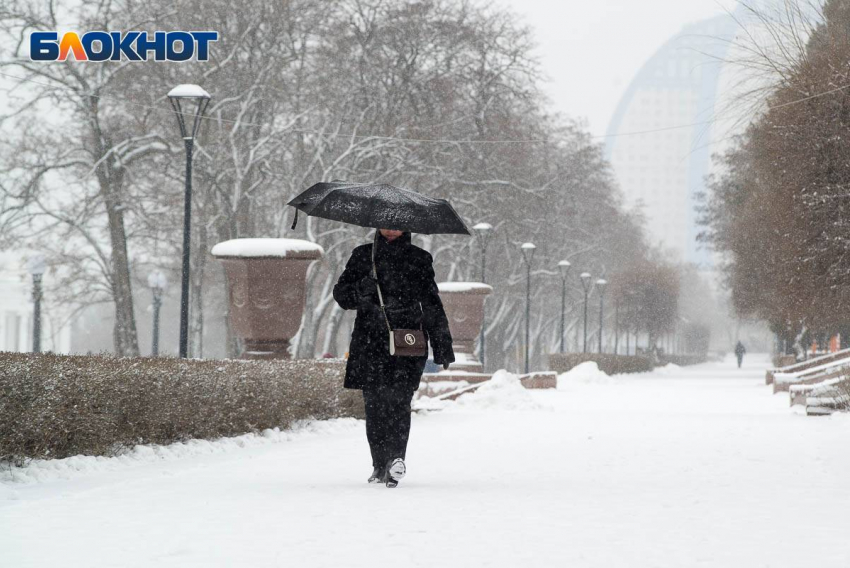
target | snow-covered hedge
[
  {"x": 608, "y": 363},
  {"x": 54, "y": 406}
]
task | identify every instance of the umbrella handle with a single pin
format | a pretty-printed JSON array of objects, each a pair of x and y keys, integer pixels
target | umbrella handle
[{"x": 294, "y": 221}]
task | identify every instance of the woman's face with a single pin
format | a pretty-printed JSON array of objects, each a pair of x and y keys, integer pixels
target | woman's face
[{"x": 391, "y": 234}]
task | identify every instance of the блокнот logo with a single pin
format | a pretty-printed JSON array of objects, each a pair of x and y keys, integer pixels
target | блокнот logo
[{"x": 114, "y": 46}]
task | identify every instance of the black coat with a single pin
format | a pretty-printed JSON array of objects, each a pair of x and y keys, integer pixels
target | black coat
[{"x": 406, "y": 275}]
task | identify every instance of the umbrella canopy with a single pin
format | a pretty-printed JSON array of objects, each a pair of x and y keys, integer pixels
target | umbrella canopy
[{"x": 380, "y": 206}]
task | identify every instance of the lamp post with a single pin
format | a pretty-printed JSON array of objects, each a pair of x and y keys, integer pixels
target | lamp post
[
  {"x": 585, "y": 284},
  {"x": 157, "y": 282},
  {"x": 527, "y": 256},
  {"x": 37, "y": 266},
  {"x": 484, "y": 232},
  {"x": 179, "y": 95},
  {"x": 601, "y": 285},
  {"x": 564, "y": 268},
  {"x": 616, "y": 325}
]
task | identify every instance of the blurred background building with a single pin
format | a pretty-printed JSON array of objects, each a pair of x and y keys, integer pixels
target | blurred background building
[
  {"x": 660, "y": 138},
  {"x": 16, "y": 311}
]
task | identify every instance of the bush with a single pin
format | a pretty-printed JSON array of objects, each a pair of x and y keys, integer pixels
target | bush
[
  {"x": 842, "y": 395},
  {"x": 55, "y": 406},
  {"x": 683, "y": 360},
  {"x": 610, "y": 364}
]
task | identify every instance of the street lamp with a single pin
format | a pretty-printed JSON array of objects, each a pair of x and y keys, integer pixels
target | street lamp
[
  {"x": 180, "y": 95},
  {"x": 564, "y": 268},
  {"x": 157, "y": 282},
  {"x": 601, "y": 285},
  {"x": 616, "y": 325},
  {"x": 527, "y": 256},
  {"x": 37, "y": 266},
  {"x": 585, "y": 284},
  {"x": 484, "y": 232}
]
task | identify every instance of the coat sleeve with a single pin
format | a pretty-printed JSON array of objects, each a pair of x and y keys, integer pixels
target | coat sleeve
[
  {"x": 435, "y": 322},
  {"x": 345, "y": 290}
]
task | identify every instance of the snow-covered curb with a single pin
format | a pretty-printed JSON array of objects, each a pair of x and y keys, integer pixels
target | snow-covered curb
[
  {"x": 38, "y": 471},
  {"x": 504, "y": 391},
  {"x": 587, "y": 373}
]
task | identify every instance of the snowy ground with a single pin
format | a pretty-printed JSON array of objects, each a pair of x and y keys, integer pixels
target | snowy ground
[{"x": 698, "y": 466}]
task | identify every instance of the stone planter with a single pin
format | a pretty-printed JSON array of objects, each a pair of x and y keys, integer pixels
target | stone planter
[
  {"x": 464, "y": 305},
  {"x": 267, "y": 283}
]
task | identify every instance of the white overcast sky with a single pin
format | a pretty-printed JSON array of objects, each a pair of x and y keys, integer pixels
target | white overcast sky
[{"x": 591, "y": 49}]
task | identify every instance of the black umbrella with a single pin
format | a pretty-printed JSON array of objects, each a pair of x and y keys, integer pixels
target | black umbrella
[{"x": 380, "y": 206}]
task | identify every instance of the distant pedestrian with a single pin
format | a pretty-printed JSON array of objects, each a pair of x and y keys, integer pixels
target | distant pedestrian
[
  {"x": 410, "y": 295},
  {"x": 739, "y": 353}
]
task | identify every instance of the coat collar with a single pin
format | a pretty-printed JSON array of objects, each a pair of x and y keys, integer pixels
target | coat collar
[{"x": 405, "y": 239}]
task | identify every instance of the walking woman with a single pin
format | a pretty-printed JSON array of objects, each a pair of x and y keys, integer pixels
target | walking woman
[{"x": 406, "y": 292}]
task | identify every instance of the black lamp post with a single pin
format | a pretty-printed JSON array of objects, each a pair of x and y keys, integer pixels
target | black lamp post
[
  {"x": 179, "y": 96},
  {"x": 484, "y": 232},
  {"x": 564, "y": 268},
  {"x": 37, "y": 267},
  {"x": 616, "y": 325},
  {"x": 601, "y": 285},
  {"x": 585, "y": 284},
  {"x": 527, "y": 256},
  {"x": 157, "y": 282}
]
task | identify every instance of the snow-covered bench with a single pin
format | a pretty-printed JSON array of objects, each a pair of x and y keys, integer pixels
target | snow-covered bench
[
  {"x": 831, "y": 370},
  {"x": 799, "y": 394},
  {"x": 826, "y": 400},
  {"x": 808, "y": 364}
]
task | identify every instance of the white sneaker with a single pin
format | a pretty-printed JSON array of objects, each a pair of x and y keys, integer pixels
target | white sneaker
[{"x": 395, "y": 472}]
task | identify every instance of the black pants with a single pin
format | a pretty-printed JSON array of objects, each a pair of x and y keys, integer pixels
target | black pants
[{"x": 387, "y": 421}]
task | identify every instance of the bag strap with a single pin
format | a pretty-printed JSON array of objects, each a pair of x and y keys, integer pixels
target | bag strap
[
  {"x": 377, "y": 285},
  {"x": 375, "y": 276}
]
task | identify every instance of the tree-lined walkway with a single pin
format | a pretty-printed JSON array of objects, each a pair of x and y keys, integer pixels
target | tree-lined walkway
[{"x": 693, "y": 467}]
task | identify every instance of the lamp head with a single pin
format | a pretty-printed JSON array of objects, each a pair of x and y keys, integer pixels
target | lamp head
[
  {"x": 564, "y": 267},
  {"x": 528, "y": 251},
  {"x": 36, "y": 265},
  {"x": 484, "y": 231},
  {"x": 157, "y": 280},
  {"x": 483, "y": 228},
  {"x": 195, "y": 100}
]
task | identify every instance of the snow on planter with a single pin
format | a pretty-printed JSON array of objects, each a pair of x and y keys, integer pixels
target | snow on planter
[
  {"x": 267, "y": 248},
  {"x": 465, "y": 287}
]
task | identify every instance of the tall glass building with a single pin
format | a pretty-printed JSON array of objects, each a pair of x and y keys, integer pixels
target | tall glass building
[{"x": 662, "y": 134}]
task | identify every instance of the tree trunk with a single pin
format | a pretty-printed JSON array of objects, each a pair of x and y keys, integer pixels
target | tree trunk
[
  {"x": 332, "y": 331},
  {"x": 124, "y": 332},
  {"x": 196, "y": 293}
]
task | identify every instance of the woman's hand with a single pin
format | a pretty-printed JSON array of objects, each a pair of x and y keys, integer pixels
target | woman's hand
[
  {"x": 367, "y": 290},
  {"x": 444, "y": 359}
]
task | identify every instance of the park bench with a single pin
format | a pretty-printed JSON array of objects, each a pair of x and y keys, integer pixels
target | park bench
[
  {"x": 807, "y": 364},
  {"x": 826, "y": 399},
  {"x": 799, "y": 394},
  {"x": 782, "y": 381}
]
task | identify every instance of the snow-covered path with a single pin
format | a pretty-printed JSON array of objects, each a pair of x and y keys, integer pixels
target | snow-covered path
[{"x": 694, "y": 467}]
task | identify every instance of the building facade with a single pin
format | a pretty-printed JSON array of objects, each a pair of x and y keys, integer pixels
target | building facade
[
  {"x": 16, "y": 312},
  {"x": 661, "y": 136}
]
